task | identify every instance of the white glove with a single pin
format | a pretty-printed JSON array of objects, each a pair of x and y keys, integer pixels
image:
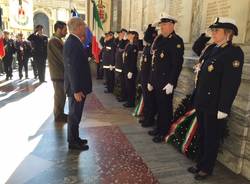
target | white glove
[
  {"x": 110, "y": 68},
  {"x": 221, "y": 115},
  {"x": 169, "y": 88},
  {"x": 130, "y": 75},
  {"x": 150, "y": 87},
  {"x": 197, "y": 68}
]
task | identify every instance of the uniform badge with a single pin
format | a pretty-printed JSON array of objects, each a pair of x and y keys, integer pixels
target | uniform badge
[
  {"x": 210, "y": 68},
  {"x": 178, "y": 46},
  {"x": 145, "y": 59},
  {"x": 236, "y": 64},
  {"x": 162, "y": 55}
]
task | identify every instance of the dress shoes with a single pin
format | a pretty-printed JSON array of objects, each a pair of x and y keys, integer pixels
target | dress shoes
[
  {"x": 193, "y": 170},
  {"x": 83, "y": 141},
  {"x": 128, "y": 105},
  {"x": 201, "y": 175},
  {"x": 153, "y": 132},
  {"x": 158, "y": 139},
  {"x": 78, "y": 146}
]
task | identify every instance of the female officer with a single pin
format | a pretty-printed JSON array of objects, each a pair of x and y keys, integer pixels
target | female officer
[
  {"x": 130, "y": 67},
  {"x": 216, "y": 88}
]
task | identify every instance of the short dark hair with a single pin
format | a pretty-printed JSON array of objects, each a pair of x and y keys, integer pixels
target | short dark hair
[
  {"x": 39, "y": 26},
  {"x": 59, "y": 25}
]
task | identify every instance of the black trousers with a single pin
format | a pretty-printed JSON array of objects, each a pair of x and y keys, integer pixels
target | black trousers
[
  {"x": 23, "y": 64},
  {"x": 99, "y": 70},
  {"x": 110, "y": 79},
  {"x": 34, "y": 66},
  {"x": 164, "y": 105},
  {"x": 41, "y": 64},
  {"x": 120, "y": 81},
  {"x": 130, "y": 89},
  {"x": 75, "y": 115},
  {"x": 7, "y": 62},
  {"x": 150, "y": 106},
  {"x": 210, "y": 130}
]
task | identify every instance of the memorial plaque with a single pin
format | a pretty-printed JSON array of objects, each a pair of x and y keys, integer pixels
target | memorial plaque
[
  {"x": 237, "y": 10},
  {"x": 182, "y": 11},
  {"x": 125, "y": 13},
  {"x": 136, "y": 15}
]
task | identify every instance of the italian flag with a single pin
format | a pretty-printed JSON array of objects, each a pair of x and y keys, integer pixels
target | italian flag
[
  {"x": 97, "y": 33},
  {"x": 2, "y": 50}
]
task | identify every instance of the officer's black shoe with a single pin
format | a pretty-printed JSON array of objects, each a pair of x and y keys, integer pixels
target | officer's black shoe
[
  {"x": 146, "y": 124},
  {"x": 193, "y": 170},
  {"x": 153, "y": 132},
  {"x": 107, "y": 91},
  {"x": 7, "y": 78},
  {"x": 121, "y": 99},
  {"x": 20, "y": 77},
  {"x": 82, "y": 141},
  {"x": 26, "y": 77},
  {"x": 158, "y": 139},
  {"x": 78, "y": 146},
  {"x": 141, "y": 121},
  {"x": 201, "y": 175},
  {"x": 128, "y": 105}
]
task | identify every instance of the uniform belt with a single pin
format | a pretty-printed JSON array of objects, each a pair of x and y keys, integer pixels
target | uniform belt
[
  {"x": 109, "y": 66},
  {"x": 118, "y": 70}
]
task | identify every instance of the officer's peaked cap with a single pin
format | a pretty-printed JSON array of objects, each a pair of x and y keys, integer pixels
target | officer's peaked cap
[
  {"x": 226, "y": 23},
  {"x": 167, "y": 18}
]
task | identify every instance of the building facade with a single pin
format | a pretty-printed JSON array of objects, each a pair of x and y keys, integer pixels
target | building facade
[{"x": 45, "y": 13}]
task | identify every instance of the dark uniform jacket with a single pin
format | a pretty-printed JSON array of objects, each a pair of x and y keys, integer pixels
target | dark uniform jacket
[
  {"x": 108, "y": 54},
  {"x": 120, "y": 47},
  {"x": 219, "y": 78},
  {"x": 55, "y": 58},
  {"x": 77, "y": 76},
  {"x": 145, "y": 64},
  {"x": 9, "y": 48},
  {"x": 130, "y": 58},
  {"x": 39, "y": 45},
  {"x": 167, "y": 60},
  {"x": 23, "y": 49}
]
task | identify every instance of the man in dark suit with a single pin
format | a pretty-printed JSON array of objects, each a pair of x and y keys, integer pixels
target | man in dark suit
[{"x": 77, "y": 80}]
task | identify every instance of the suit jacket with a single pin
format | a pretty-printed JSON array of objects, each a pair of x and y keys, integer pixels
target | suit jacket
[{"x": 77, "y": 76}]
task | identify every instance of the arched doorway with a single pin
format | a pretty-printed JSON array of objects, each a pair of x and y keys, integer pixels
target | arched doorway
[{"x": 41, "y": 18}]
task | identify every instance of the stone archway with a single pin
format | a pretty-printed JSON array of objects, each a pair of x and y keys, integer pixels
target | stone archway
[{"x": 43, "y": 19}]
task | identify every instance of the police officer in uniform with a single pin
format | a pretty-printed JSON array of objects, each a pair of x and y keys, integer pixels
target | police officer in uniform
[
  {"x": 216, "y": 88},
  {"x": 23, "y": 49},
  {"x": 121, "y": 42},
  {"x": 39, "y": 43},
  {"x": 9, "y": 48},
  {"x": 168, "y": 50},
  {"x": 149, "y": 108},
  {"x": 130, "y": 67},
  {"x": 108, "y": 56}
]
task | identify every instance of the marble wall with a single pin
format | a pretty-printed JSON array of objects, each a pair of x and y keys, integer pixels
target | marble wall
[{"x": 194, "y": 17}]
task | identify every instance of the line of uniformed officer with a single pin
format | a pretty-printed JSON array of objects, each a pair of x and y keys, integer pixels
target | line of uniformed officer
[
  {"x": 168, "y": 50},
  {"x": 39, "y": 43}
]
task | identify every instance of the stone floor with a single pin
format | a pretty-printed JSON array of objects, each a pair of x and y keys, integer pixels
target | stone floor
[{"x": 34, "y": 148}]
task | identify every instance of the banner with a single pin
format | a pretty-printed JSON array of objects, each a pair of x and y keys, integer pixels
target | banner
[{"x": 21, "y": 14}]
